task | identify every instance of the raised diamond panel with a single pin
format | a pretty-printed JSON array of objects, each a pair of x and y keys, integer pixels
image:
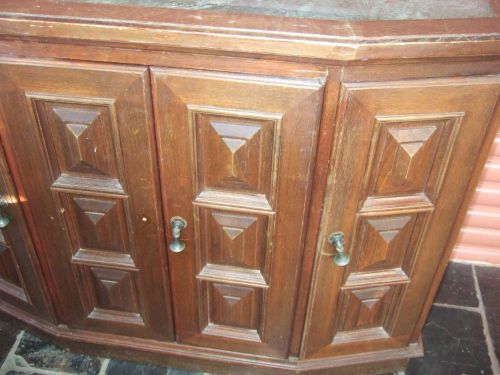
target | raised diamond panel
[
  {"x": 236, "y": 306},
  {"x": 81, "y": 141},
  {"x": 366, "y": 308},
  {"x": 384, "y": 240},
  {"x": 115, "y": 290},
  {"x": 405, "y": 153},
  {"x": 8, "y": 267},
  {"x": 97, "y": 223},
  {"x": 234, "y": 239},
  {"x": 235, "y": 155}
]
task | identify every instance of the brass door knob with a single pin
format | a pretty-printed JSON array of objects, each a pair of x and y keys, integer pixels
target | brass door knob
[
  {"x": 4, "y": 219},
  {"x": 178, "y": 224},
  {"x": 341, "y": 258}
]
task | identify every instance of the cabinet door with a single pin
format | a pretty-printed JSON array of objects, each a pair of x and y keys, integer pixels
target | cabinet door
[
  {"x": 236, "y": 155},
  {"x": 82, "y": 138},
  {"x": 401, "y": 165},
  {"x": 21, "y": 282}
]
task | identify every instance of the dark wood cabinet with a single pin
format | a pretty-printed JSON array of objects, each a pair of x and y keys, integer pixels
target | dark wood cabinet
[
  {"x": 229, "y": 162},
  {"x": 21, "y": 282},
  {"x": 404, "y": 152},
  {"x": 82, "y": 139},
  {"x": 236, "y": 193}
]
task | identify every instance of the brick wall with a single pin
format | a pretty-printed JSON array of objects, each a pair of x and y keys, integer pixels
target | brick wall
[{"x": 480, "y": 236}]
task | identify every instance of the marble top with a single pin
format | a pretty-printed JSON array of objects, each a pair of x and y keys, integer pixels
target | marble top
[{"x": 329, "y": 9}]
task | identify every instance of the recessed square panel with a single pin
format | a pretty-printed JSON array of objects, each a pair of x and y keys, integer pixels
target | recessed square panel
[
  {"x": 96, "y": 223},
  {"x": 384, "y": 247},
  {"x": 80, "y": 142},
  {"x": 366, "y": 313},
  {"x": 234, "y": 238},
  {"x": 9, "y": 271},
  {"x": 409, "y": 155},
  {"x": 235, "y": 306},
  {"x": 383, "y": 241},
  {"x": 115, "y": 290},
  {"x": 235, "y": 155}
]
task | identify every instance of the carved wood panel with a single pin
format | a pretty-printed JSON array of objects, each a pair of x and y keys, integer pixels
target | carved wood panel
[
  {"x": 384, "y": 246},
  {"x": 365, "y": 307},
  {"x": 97, "y": 223},
  {"x": 21, "y": 282},
  {"x": 237, "y": 166},
  {"x": 235, "y": 155},
  {"x": 236, "y": 306},
  {"x": 89, "y": 178},
  {"x": 408, "y": 157},
  {"x": 82, "y": 138},
  {"x": 81, "y": 143},
  {"x": 234, "y": 239},
  {"x": 115, "y": 290},
  {"x": 9, "y": 271},
  {"x": 400, "y": 170},
  {"x": 384, "y": 239}
]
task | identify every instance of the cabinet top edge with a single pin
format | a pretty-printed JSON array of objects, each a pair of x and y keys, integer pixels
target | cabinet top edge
[{"x": 243, "y": 34}]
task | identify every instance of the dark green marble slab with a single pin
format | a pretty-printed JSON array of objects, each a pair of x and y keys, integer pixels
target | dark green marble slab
[{"x": 329, "y": 9}]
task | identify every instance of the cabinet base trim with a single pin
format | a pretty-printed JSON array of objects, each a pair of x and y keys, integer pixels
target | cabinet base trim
[{"x": 195, "y": 358}]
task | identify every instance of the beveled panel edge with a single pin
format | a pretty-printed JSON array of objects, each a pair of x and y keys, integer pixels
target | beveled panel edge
[
  {"x": 234, "y": 333},
  {"x": 242, "y": 34},
  {"x": 116, "y": 316},
  {"x": 232, "y": 275},
  {"x": 221, "y": 199},
  {"x": 374, "y": 333},
  {"x": 275, "y": 79},
  {"x": 386, "y": 204},
  {"x": 66, "y": 183},
  {"x": 14, "y": 291},
  {"x": 108, "y": 259},
  {"x": 412, "y": 200},
  {"x": 393, "y": 276},
  {"x": 226, "y": 198},
  {"x": 65, "y": 180}
]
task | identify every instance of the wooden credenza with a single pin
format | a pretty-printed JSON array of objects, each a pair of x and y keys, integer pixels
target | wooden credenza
[{"x": 238, "y": 192}]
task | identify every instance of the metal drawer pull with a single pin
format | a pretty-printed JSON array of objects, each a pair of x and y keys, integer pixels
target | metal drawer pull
[
  {"x": 4, "y": 219},
  {"x": 341, "y": 258},
  {"x": 178, "y": 224}
]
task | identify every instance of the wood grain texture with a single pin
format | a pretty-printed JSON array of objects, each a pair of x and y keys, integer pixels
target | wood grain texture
[
  {"x": 243, "y": 146},
  {"x": 247, "y": 35},
  {"x": 58, "y": 125},
  {"x": 21, "y": 280},
  {"x": 395, "y": 221},
  {"x": 271, "y": 133}
]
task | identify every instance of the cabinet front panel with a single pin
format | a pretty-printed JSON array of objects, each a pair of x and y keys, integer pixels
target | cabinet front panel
[
  {"x": 82, "y": 139},
  {"x": 21, "y": 282},
  {"x": 400, "y": 170},
  {"x": 236, "y": 153}
]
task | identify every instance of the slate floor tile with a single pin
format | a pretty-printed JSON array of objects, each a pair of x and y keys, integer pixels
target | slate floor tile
[
  {"x": 8, "y": 334},
  {"x": 116, "y": 367},
  {"x": 174, "y": 371},
  {"x": 40, "y": 354},
  {"x": 457, "y": 287},
  {"x": 489, "y": 284},
  {"x": 454, "y": 343}
]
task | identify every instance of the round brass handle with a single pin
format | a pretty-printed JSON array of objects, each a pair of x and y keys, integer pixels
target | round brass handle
[
  {"x": 341, "y": 258},
  {"x": 4, "y": 219},
  {"x": 178, "y": 224}
]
